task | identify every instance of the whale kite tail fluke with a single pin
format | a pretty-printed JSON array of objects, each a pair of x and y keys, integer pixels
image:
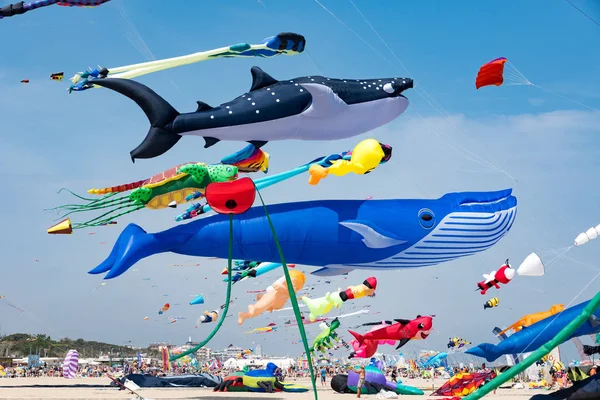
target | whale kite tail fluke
[
  {"x": 159, "y": 112},
  {"x": 484, "y": 350},
  {"x": 132, "y": 245}
]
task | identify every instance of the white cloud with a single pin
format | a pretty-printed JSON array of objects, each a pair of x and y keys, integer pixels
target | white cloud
[{"x": 537, "y": 102}]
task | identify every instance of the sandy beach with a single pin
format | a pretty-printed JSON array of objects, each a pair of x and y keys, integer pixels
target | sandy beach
[{"x": 25, "y": 388}]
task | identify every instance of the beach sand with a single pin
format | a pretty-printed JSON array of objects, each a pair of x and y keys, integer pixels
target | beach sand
[{"x": 24, "y": 388}]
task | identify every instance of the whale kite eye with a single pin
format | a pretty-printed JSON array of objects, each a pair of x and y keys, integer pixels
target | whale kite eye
[
  {"x": 388, "y": 88},
  {"x": 426, "y": 218},
  {"x": 421, "y": 326}
]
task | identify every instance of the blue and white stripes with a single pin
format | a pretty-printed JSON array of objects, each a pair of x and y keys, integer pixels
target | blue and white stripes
[{"x": 459, "y": 234}]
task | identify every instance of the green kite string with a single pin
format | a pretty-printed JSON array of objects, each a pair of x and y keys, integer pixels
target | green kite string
[
  {"x": 222, "y": 319},
  {"x": 293, "y": 298},
  {"x": 290, "y": 287}
]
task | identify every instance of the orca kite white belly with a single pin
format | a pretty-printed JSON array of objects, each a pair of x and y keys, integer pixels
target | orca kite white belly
[{"x": 345, "y": 123}]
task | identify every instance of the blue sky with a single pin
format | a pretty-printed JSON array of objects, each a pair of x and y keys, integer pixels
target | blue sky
[{"x": 548, "y": 144}]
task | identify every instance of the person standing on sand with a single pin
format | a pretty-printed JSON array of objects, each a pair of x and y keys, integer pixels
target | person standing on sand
[
  {"x": 361, "y": 380},
  {"x": 565, "y": 380},
  {"x": 323, "y": 376}
]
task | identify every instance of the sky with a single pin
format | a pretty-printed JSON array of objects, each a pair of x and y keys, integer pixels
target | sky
[{"x": 542, "y": 140}]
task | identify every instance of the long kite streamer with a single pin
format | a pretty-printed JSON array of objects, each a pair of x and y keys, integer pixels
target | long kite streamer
[{"x": 284, "y": 43}]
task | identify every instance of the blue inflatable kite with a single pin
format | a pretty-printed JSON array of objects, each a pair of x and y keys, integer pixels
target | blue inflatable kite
[
  {"x": 534, "y": 336},
  {"x": 339, "y": 235},
  {"x": 435, "y": 361},
  {"x": 197, "y": 300}
]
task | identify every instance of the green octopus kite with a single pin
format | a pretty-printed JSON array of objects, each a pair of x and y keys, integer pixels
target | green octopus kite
[{"x": 174, "y": 186}]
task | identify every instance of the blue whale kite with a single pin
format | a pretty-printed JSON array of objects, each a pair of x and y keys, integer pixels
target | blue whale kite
[
  {"x": 338, "y": 235},
  {"x": 305, "y": 108},
  {"x": 532, "y": 337}
]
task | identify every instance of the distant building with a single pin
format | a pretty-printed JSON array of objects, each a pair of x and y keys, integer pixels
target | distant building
[
  {"x": 229, "y": 352},
  {"x": 204, "y": 354},
  {"x": 233, "y": 352},
  {"x": 156, "y": 346},
  {"x": 258, "y": 350}
]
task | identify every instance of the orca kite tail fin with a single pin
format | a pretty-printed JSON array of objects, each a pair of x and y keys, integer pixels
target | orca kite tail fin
[
  {"x": 132, "y": 245},
  {"x": 157, "y": 142},
  {"x": 159, "y": 112}
]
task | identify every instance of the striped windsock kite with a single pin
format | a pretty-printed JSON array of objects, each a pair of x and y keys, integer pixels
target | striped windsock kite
[{"x": 70, "y": 364}]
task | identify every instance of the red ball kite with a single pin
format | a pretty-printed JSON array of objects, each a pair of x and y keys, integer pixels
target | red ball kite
[
  {"x": 234, "y": 197},
  {"x": 491, "y": 73}
]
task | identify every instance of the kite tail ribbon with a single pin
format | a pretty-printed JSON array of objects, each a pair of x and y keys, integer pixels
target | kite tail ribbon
[
  {"x": 227, "y": 299},
  {"x": 293, "y": 298},
  {"x": 288, "y": 280}
]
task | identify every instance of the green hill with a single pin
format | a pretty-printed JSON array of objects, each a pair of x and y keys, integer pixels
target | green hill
[{"x": 22, "y": 344}]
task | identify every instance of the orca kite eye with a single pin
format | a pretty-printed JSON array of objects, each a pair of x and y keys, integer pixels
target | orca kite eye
[{"x": 426, "y": 218}]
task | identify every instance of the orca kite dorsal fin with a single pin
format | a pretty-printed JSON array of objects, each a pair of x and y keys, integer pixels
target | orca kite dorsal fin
[
  {"x": 202, "y": 106},
  {"x": 260, "y": 79}
]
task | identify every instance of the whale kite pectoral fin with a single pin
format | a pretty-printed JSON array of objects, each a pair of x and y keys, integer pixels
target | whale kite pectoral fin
[
  {"x": 210, "y": 141},
  {"x": 332, "y": 270},
  {"x": 324, "y": 101},
  {"x": 402, "y": 342},
  {"x": 373, "y": 236}
]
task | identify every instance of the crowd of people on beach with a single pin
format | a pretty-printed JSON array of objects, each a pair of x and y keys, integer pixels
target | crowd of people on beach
[
  {"x": 322, "y": 374},
  {"x": 55, "y": 371}
]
